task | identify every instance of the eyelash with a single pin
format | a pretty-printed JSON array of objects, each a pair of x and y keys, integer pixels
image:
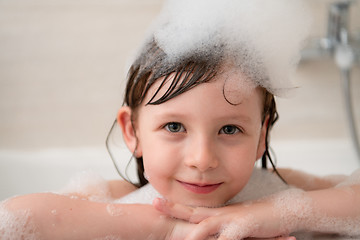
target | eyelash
[
  {"x": 235, "y": 128},
  {"x": 167, "y": 127},
  {"x": 180, "y": 128}
]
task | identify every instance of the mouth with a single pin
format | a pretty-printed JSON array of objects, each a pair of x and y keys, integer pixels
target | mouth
[{"x": 200, "y": 188}]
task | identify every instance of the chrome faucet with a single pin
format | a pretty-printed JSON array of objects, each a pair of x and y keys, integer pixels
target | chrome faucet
[{"x": 344, "y": 48}]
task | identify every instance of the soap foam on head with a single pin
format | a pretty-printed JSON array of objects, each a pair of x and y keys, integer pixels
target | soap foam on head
[{"x": 262, "y": 38}]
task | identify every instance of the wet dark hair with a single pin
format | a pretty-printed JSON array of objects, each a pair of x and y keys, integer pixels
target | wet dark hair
[{"x": 186, "y": 73}]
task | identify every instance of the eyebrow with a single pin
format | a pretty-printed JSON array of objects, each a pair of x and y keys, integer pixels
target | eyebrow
[
  {"x": 184, "y": 116},
  {"x": 170, "y": 115},
  {"x": 241, "y": 118}
]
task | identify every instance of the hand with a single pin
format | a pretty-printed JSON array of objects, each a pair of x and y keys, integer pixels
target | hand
[{"x": 257, "y": 220}]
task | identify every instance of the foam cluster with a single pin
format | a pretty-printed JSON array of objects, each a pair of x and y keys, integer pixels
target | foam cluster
[
  {"x": 262, "y": 38},
  {"x": 88, "y": 184},
  {"x": 295, "y": 207},
  {"x": 353, "y": 179},
  {"x": 239, "y": 228},
  {"x": 16, "y": 224}
]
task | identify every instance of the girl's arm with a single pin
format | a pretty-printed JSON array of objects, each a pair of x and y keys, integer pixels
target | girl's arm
[
  {"x": 52, "y": 216},
  {"x": 74, "y": 216},
  {"x": 309, "y": 182},
  {"x": 332, "y": 210}
]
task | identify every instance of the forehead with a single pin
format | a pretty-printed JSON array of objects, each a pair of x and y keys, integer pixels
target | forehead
[
  {"x": 230, "y": 82},
  {"x": 210, "y": 98}
]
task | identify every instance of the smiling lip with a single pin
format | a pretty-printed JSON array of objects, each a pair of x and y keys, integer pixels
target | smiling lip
[{"x": 200, "y": 188}]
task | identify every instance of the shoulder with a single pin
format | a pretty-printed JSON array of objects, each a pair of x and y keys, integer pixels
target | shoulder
[{"x": 120, "y": 188}]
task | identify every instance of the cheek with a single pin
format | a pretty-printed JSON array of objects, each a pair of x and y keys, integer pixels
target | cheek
[
  {"x": 161, "y": 166},
  {"x": 160, "y": 161},
  {"x": 240, "y": 166},
  {"x": 244, "y": 152},
  {"x": 240, "y": 160},
  {"x": 239, "y": 173}
]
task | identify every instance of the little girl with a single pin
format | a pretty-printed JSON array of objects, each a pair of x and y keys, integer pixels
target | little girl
[{"x": 199, "y": 106}]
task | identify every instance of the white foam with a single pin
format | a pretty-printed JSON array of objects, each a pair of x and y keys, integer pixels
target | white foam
[
  {"x": 115, "y": 210},
  {"x": 293, "y": 207},
  {"x": 346, "y": 226},
  {"x": 89, "y": 185},
  {"x": 16, "y": 224},
  {"x": 143, "y": 195},
  {"x": 353, "y": 179},
  {"x": 239, "y": 228},
  {"x": 264, "y": 37},
  {"x": 262, "y": 183}
]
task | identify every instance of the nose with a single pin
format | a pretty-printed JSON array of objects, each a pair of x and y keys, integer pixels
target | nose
[{"x": 202, "y": 155}]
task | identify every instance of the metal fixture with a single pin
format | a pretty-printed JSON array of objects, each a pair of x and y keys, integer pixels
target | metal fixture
[{"x": 344, "y": 48}]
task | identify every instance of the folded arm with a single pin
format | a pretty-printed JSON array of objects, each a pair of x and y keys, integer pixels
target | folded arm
[
  {"x": 54, "y": 216},
  {"x": 309, "y": 182},
  {"x": 335, "y": 209}
]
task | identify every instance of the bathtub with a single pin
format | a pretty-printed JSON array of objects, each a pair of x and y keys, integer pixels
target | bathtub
[{"x": 23, "y": 172}]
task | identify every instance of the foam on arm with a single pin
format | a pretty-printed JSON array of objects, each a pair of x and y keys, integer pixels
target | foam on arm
[
  {"x": 331, "y": 210},
  {"x": 52, "y": 216}
]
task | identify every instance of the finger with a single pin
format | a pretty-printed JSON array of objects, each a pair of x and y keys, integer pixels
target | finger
[
  {"x": 277, "y": 238},
  {"x": 204, "y": 230},
  {"x": 181, "y": 230},
  {"x": 175, "y": 210},
  {"x": 190, "y": 214},
  {"x": 286, "y": 238}
]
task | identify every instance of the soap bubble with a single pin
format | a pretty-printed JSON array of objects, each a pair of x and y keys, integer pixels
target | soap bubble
[
  {"x": 262, "y": 38},
  {"x": 88, "y": 184},
  {"x": 16, "y": 224}
]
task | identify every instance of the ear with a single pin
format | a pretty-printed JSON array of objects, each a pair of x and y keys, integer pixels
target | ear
[
  {"x": 128, "y": 130},
  {"x": 262, "y": 139}
]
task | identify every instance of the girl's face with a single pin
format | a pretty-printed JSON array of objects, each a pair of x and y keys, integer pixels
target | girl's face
[{"x": 197, "y": 148}]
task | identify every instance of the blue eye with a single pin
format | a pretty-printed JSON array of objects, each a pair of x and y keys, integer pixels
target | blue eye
[
  {"x": 229, "y": 130},
  {"x": 174, "y": 127}
]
